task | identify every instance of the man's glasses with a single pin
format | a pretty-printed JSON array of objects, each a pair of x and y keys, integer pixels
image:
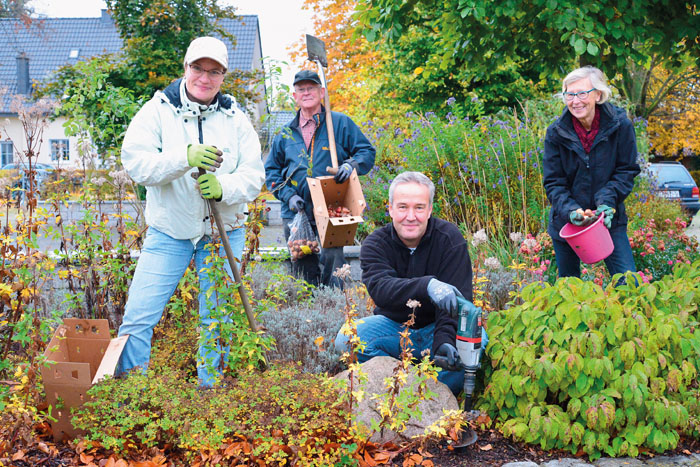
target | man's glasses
[
  {"x": 582, "y": 95},
  {"x": 305, "y": 89},
  {"x": 213, "y": 74}
]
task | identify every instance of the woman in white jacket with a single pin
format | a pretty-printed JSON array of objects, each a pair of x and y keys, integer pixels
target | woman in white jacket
[{"x": 188, "y": 126}]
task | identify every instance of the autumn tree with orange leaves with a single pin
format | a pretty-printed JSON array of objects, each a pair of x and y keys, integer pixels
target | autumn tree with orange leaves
[
  {"x": 674, "y": 128},
  {"x": 354, "y": 70}
]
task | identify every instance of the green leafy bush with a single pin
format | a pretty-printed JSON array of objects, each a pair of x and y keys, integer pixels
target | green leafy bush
[
  {"x": 609, "y": 371},
  {"x": 282, "y": 415}
]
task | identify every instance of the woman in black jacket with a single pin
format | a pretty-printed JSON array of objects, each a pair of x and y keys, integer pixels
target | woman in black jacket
[{"x": 590, "y": 161}]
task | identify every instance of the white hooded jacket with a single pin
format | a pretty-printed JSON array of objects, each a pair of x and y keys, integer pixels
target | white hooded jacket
[{"x": 154, "y": 154}]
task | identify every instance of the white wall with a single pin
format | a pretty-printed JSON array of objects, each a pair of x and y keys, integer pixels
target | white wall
[{"x": 10, "y": 127}]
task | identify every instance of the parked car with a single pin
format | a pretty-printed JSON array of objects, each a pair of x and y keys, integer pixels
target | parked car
[
  {"x": 673, "y": 181},
  {"x": 43, "y": 172}
]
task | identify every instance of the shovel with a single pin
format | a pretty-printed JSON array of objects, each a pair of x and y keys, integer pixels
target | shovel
[
  {"x": 232, "y": 262},
  {"x": 316, "y": 50}
]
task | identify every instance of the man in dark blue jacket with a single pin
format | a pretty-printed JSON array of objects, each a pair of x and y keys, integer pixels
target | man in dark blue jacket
[{"x": 302, "y": 150}]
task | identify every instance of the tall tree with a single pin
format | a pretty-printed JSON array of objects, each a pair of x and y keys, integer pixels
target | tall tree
[
  {"x": 674, "y": 127},
  {"x": 543, "y": 38},
  {"x": 156, "y": 34},
  {"x": 15, "y": 9},
  {"x": 354, "y": 65}
]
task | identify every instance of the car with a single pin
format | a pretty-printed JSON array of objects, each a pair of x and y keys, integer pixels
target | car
[
  {"x": 42, "y": 171},
  {"x": 672, "y": 180}
]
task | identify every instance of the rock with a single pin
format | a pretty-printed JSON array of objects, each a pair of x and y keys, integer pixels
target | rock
[
  {"x": 672, "y": 461},
  {"x": 380, "y": 368},
  {"x": 566, "y": 462},
  {"x": 520, "y": 464},
  {"x": 618, "y": 462}
]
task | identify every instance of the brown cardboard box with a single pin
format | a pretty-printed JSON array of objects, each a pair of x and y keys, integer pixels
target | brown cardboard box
[
  {"x": 81, "y": 353},
  {"x": 337, "y": 231}
]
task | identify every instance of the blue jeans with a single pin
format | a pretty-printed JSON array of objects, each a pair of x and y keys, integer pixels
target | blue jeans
[
  {"x": 381, "y": 336},
  {"x": 619, "y": 261},
  {"x": 160, "y": 267}
]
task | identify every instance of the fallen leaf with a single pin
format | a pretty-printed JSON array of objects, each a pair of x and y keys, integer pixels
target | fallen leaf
[
  {"x": 686, "y": 452},
  {"x": 18, "y": 456},
  {"x": 487, "y": 447},
  {"x": 382, "y": 457},
  {"x": 86, "y": 458},
  {"x": 428, "y": 463},
  {"x": 369, "y": 460}
]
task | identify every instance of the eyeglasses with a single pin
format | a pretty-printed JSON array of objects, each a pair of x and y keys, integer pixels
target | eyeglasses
[
  {"x": 582, "y": 95},
  {"x": 213, "y": 74},
  {"x": 306, "y": 89}
]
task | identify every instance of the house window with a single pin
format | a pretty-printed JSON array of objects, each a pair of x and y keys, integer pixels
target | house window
[
  {"x": 6, "y": 150},
  {"x": 59, "y": 149}
]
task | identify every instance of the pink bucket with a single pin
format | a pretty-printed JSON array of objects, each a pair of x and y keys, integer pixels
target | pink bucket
[{"x": 591, "y": 243}]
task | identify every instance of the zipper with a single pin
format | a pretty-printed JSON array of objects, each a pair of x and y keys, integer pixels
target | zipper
[{"x": 199, "y": 128}]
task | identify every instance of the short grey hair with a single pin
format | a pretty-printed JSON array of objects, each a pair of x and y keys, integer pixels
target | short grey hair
[
  {"x": 411, "y": 177},
  {"x": 597, "y": 77}
]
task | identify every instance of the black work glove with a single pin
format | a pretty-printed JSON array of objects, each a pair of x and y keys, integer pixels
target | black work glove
[
  {"x": 296, "y": 203},
  {"x": 449, "y": 355},
  {"x": 344, "y": 172}
]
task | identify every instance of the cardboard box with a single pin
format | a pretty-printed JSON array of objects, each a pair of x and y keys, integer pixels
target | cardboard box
[
  {"x": 337, "y": 231},
  {"x": 81, "y": 353}
]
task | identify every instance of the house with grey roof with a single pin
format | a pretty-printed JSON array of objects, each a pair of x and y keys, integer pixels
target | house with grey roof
[{"x": 31, "y": 51}]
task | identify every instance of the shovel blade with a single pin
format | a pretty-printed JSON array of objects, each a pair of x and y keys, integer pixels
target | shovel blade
[{"x": 316, "y": 50}]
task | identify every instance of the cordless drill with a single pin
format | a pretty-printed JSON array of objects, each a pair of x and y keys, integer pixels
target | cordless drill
[{"x": 468, "y": 347}]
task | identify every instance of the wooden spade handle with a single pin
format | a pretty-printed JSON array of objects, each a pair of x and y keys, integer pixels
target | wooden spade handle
[{"x": 329, "y": 125}]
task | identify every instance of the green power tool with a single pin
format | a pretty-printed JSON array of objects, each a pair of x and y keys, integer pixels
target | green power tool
[
  {"x": 469, "y": 337},
  {"x": 469, "y": 340}
]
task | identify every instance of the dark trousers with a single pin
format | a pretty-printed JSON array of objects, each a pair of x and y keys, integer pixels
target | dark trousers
[
  {"x": 317, "y": 269},
  {"x": 619, "y": 261}
]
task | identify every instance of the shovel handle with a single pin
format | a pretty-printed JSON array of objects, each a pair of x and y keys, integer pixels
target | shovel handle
[
  {"x": 329, "y": 123},
  {"x": 232, "y": 262}
]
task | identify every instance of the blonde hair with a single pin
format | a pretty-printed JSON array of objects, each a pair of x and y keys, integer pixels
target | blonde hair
[{"x": 598, "y": 81}]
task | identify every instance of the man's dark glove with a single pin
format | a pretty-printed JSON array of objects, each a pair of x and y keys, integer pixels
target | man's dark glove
[
  {"x": 608, "y": 212},
  {"x": 296, "y": 203},
  {"x": 447, "y": 353},
  {"x": 344, "y": 172},
  {"x": 444, "y": 296}
]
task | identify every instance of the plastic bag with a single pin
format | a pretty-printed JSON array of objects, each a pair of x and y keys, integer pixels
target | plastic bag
[{"x": 302, "y": 240}]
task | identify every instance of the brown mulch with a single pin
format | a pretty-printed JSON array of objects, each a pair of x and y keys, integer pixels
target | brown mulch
[{"x": 490, "y": 449}]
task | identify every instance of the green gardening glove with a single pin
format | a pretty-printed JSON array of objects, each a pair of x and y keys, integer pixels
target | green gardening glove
[
  {"x": 210, "y": 186},
  {"x": 204, "y": 157},
  {"x": 576, "y": 218},
  {"x": 608, "y": 212}
]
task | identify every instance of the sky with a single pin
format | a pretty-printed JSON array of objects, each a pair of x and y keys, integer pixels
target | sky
[{"x": 282, "y": 22}]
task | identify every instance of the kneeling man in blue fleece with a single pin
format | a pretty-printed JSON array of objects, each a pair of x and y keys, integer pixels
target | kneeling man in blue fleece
[{"x": 415, "y": 257}]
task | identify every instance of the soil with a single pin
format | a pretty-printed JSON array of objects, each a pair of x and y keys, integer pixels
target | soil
[{"x": 490, "y": 449}]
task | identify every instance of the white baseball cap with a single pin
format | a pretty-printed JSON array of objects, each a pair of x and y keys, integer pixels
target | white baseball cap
[{"x": 207, "y": 47}]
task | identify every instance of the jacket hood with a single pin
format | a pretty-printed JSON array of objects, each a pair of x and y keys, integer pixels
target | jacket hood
[{"x": 172, "y": 96}]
